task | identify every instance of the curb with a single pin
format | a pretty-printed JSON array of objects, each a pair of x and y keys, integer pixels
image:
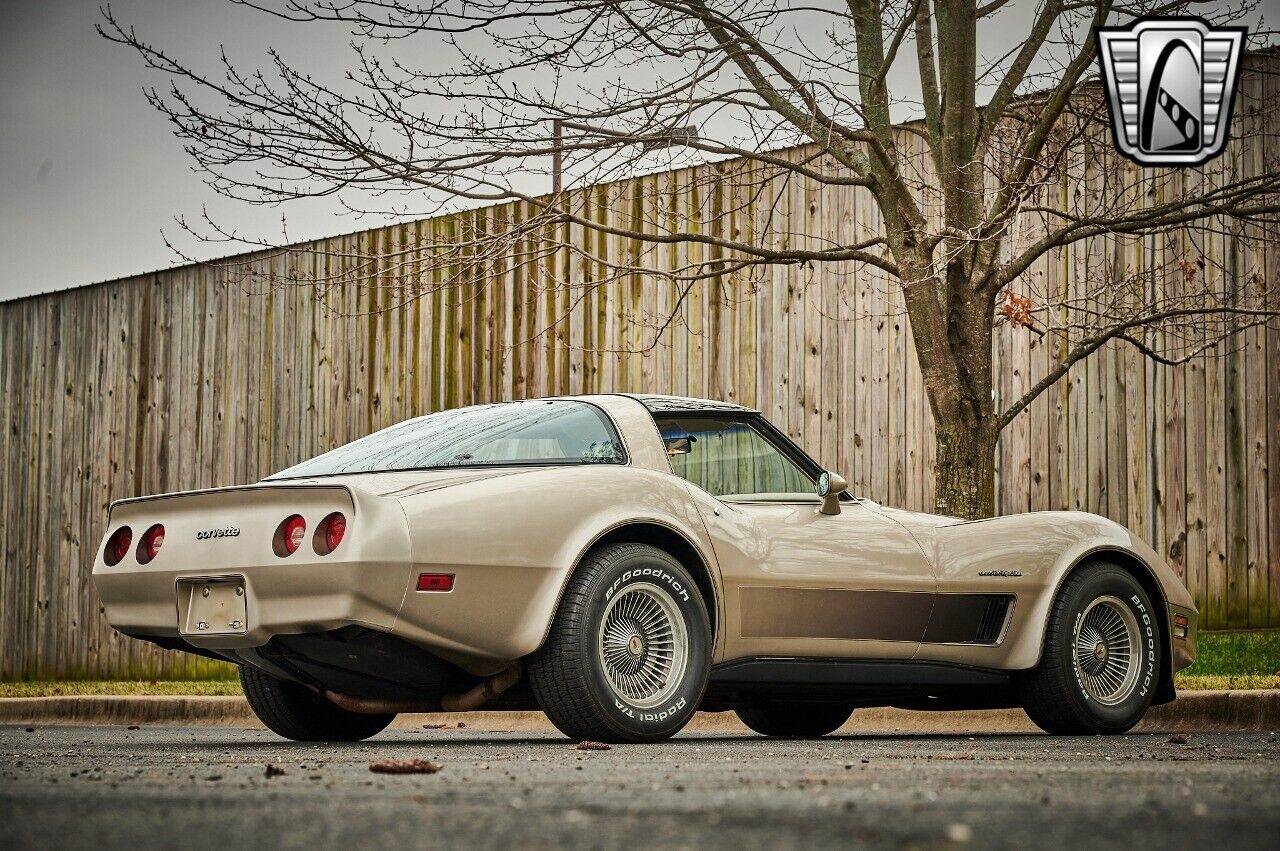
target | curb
[{"x": 1199, "y": 711}]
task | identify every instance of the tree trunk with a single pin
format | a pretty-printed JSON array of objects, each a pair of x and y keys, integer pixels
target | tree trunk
[
  {"x": 955, "y": 364},
  {"x": 965, "y": 470}
]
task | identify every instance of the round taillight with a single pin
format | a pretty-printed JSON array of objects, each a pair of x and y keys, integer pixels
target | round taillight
[
  {"x": 332, "y": 528},
  {"x": 117, "y": 546},
  {"x": 289, "y": 535},
  {"x": 151, "y": 542}
]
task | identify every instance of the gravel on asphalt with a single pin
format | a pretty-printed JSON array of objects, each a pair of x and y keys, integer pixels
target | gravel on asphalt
[{"x": 218, "y": 788}]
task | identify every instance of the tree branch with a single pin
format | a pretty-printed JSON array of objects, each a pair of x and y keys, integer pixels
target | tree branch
[{"x": 1120, "y": 331}]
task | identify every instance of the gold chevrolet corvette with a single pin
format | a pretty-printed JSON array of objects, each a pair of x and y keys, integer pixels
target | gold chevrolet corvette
[{"x": 621, "y": 561}]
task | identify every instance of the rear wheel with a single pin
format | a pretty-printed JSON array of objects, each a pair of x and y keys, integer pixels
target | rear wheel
[
  {"x": 629, "y": 651},
  {"x": 1101, "y": 660},
  {"x": 298, "y": 713},
  {"x": 795, "y": 720}
]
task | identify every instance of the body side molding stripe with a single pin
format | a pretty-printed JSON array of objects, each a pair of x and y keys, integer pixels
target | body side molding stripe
[{"x": 934, "y": 618}]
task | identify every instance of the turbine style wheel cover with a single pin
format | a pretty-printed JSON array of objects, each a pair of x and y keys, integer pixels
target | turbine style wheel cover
[
  {"x": 1108, "y": 650},
  {"x": 643, "y": 645}
]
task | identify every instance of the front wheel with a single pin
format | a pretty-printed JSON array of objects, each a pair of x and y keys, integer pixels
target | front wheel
[
  {"x": 1101, "y": 660},
  {"x": 298, "y": 713},
  {"x": 629, "y": 651},
  {"x": 795, "y": 720}
]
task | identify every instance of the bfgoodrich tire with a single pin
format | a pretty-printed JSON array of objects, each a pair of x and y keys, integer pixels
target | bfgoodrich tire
[
  {"x": 298, "y": 713},
  {"x": 1100, "y": 665},
  {"x": 795, "y": 720},
  {"x": 629, "y": 650}
]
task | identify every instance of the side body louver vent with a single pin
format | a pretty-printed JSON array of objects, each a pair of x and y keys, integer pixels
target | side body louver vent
[{"x": 994, "y": 615}]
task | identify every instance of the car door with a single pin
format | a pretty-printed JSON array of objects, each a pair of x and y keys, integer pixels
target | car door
[{"x": 797, "y": 582}]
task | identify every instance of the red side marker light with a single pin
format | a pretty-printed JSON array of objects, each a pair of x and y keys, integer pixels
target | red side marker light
[{"x": 435, "y": 581}]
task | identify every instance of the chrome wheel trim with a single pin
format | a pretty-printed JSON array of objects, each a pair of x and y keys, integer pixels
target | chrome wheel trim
[
  {"x": 1107, "y": 650},
  {"x": 643, "y": 646}
]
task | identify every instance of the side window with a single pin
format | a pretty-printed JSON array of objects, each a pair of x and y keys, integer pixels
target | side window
[{"x": 729, "y": 457}]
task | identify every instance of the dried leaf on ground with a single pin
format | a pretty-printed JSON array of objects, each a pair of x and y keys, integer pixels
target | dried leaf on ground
[
  {"x": 404, "y": 766},
  {"x": 593, "y": 746}
]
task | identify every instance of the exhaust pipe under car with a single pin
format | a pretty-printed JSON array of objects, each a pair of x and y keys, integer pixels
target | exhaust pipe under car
[{"x": 465, "y": 702}]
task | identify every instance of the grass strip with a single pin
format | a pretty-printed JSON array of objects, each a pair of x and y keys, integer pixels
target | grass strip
[
  {"x": 1233, "y": 653},
  {"x": 1221, "y": 682},
  {"x": 161, "y": 688}
]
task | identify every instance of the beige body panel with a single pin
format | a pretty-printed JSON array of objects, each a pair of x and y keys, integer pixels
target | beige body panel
[
  {"x": 1043, "y": 547},
  {"x": 792, "y": 576},
  {"x": 869, "y": 572},
  {"x": 535, "y": 525},
  {"x": 866, "y": 583},
  {"x": 512, "y": 543}
]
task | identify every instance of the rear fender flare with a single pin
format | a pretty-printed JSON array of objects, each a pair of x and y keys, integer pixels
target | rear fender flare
[{"x": 707, "y": 566}]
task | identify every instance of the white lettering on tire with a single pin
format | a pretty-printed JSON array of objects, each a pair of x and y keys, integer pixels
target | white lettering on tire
[
  {"x": 648, "y": 573},
  {"x": 1148, "y": 675},
  {"x": 660, "y": 715},
  {"x": 663, "y": 713}
]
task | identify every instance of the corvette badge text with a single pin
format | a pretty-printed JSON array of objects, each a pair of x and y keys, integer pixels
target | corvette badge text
[
  {"x": 1170, "y": 88},
  {"x": 229, "y": 532}
]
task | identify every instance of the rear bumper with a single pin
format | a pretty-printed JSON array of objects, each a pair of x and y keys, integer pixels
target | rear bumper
[
  {"x": 280, "y": 599},
  {"x": 493, "y": 616}
]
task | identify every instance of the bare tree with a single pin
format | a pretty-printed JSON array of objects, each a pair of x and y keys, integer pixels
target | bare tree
[{"x": 603, "y": 90}]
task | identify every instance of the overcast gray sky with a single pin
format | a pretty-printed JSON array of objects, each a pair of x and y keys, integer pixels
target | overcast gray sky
[{"x": 90, "y": 175}]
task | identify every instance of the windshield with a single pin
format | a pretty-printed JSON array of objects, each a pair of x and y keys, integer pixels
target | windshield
[{"x": 534, "y": 433}]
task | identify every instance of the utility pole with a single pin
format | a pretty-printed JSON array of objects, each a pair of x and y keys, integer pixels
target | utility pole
[
  {"x": 686, "y": 135},
  {"x": 557, "y": 141}
]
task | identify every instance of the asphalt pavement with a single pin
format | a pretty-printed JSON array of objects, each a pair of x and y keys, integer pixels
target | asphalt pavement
[{"x": 210, "y": 788}]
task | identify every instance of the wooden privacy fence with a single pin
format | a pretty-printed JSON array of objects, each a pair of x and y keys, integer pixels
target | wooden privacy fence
[{"x": 211, "y": 375}]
